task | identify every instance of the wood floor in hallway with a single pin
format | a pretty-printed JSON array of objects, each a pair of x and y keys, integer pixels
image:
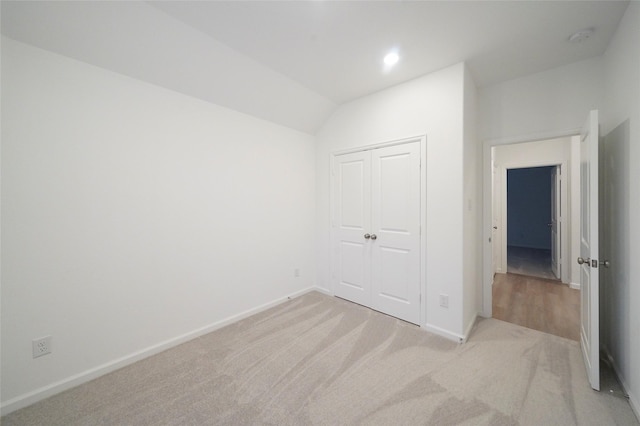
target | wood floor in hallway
[{"x": 537, "y": 303}]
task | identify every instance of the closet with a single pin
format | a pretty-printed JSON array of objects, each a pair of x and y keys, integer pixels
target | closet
[{"x": 376, "y": 227}]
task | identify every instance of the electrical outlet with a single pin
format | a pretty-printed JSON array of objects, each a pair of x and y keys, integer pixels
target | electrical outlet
[
  {"x": 41, "y": 346},
  {"x": 444, "y": 300}
]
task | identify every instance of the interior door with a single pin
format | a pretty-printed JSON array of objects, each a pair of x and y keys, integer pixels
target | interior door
[
  {"x": 588, "y": 260},
  {"x": 352, "y": 177},
  {"x": 555, "y": 221},
  {"x": 396, "y": 227}
]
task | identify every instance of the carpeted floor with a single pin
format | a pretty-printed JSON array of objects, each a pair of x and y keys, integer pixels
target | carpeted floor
[{"x": 324, "y": 361}]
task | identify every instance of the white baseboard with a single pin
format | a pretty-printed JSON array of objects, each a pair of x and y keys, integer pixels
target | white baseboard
[
  {"x": 86, "y": 376},
  {"x": 575, "y": 286},
  {"x": 444, "y": 333},
  {"x": 633, "y": 401}
]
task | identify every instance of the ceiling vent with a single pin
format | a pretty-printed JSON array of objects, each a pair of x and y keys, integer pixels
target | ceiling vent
[{"x": 581, "y": 36}]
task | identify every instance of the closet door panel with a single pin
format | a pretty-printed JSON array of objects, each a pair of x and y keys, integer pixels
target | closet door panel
[
  {"x": 352, "y": 268},
  {"x": 395, "y": 217}
]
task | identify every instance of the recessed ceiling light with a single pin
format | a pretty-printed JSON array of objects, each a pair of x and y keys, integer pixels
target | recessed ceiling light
[
  {"x": 581, "y": 36},
  {"x": 391, "y": 59}
]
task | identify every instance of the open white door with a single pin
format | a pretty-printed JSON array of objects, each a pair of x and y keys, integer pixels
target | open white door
[
  {"x": 588, "y": 260},
  {"x": 556, "y": 222}
]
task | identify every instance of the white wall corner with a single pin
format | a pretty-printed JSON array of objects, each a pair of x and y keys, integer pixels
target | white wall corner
[
  {"x": 469, "y": 329},
  {"x": 322, "y": 290}
]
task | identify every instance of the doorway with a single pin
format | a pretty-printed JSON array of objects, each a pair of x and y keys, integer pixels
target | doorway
[
  {"x": 544, "y": 174},
  {"x": 534, "y": 219},
  {"x": 532, "y": 237}
]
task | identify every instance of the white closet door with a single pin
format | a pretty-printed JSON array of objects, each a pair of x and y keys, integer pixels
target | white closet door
[
  {"x": 395, "y": 257},
  {"x": 377, "y": 229},
  {"x": 352, "y": 221}
]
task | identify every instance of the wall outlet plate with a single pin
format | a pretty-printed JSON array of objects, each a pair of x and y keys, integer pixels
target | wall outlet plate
[
  {"x": 41, "y": 346},
  {"x": 444, "y": 300}
]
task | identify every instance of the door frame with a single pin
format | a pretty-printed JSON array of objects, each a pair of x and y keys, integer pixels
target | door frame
[
  {"x": 487, "y": 214},
  {"x": 564, "y": 204},
  {"x": 557, "y": 206},
  {"x": 422, "y": 139}
]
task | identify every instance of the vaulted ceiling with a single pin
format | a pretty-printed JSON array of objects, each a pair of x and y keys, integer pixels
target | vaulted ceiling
[{"x": 293, "y": 62}]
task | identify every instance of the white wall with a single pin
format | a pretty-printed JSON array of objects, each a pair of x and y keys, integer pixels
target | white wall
[
  {"x": 543, "y": 104},
  {"x": 431, "y": 105},
  {"x": 139, "y": 39},
  {"x": 134, "y": 217},
  {"x": 622, "y": 104}
]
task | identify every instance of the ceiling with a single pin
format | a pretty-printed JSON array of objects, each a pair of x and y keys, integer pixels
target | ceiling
[
  {"x": 336, "y": 48},
  {"x": 292, "y": 62}
]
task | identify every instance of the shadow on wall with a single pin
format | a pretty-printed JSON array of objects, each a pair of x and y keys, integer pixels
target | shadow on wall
[{"x": 615, "y": 241}]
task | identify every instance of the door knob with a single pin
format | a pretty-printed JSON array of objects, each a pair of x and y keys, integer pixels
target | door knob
[
  {"x": 581, "y": 261},
  {"x": 606, "y": 263},
  {"x": 374, "y": 236},
  {"x": 367, "y": 236}
]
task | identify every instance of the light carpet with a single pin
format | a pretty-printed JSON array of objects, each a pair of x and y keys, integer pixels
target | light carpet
[{"x": 319, "y": 360}]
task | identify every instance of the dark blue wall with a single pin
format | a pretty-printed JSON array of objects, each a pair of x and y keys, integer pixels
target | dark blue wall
[{"x": 529, "y": 207}]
